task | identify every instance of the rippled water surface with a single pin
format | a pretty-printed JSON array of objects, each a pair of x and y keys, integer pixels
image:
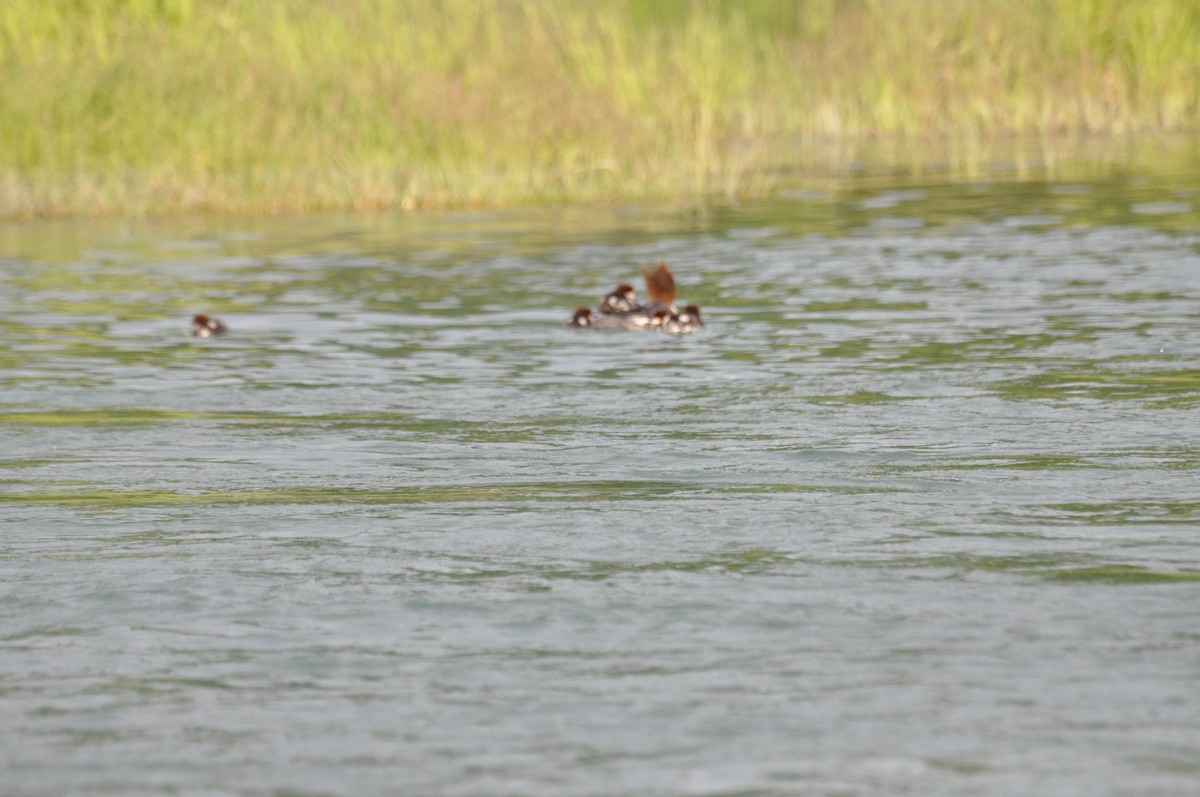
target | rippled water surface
[{"x": 918, "y": 512}]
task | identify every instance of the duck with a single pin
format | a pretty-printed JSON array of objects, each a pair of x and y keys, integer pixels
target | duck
[
  {"x": 660, "y": 287},
  {"x": 688, "y": 320},
  {"x": 620, "y": 308},
  {"x": 581, "y": 320},
  {"x": 584, "y": 318},
  {"x": 622, "y": 299},
  {"x": 206, "y": 327}
]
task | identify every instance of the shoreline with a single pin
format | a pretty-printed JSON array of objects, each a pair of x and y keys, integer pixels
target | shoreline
[
  {"x": 120, "y": 108},
  {"x": 827, "y": 166}
]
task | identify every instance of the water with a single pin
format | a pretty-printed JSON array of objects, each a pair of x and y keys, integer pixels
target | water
[{"x": 916, "y": 514}]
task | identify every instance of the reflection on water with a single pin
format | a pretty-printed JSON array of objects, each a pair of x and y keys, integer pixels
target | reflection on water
[{"x": 915, "y": 513}]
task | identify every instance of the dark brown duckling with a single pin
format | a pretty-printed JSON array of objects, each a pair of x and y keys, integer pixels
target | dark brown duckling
[
  {"x": 621, "y": 300},
  {"x": 582, "y": 319},
  {"x": 683, "y": 322},
  {"x": 206, "y": 327}
]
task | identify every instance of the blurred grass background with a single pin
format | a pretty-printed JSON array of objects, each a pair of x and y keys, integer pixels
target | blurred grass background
[{"x": 168, "y": 106}]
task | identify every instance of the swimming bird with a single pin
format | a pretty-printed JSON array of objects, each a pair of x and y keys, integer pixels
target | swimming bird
[
  {"x": 581, "y": 320},
  {"x": 620, "y": 309},
  {"x": 635, "y": 321},
  {"x": 660, "y": 286},
  {"x": 688, "y": 320},
  {"x": 623, "y": 299},
  {"x": 205, "y": 327}
]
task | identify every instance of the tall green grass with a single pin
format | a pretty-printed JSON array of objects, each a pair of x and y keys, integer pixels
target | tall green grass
[{"x": 152, "y": 106}]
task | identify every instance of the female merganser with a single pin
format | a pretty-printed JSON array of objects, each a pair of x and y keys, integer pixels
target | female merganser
[
  {"x": 205, "y": 327},
  {"x": 660, "y": 286},
  {"x": 621, "y": 310}
]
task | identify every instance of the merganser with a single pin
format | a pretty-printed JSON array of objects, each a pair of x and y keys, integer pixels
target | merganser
[
  {"x": 682, "y": 323},
  {"x": 660, "y": 286},
  {"x": 581, "y": 320},
  {"x": 205, "y": 327},
  {"x": 620, "y": 309},
  {"x": 621, "y": 300},
  {"x": 586, "y": 319}
]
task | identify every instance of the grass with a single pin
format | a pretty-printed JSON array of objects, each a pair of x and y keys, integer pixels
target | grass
[{"x": 168, "y": 106}]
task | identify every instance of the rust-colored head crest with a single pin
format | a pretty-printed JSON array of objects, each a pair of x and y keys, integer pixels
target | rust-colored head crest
[{"x": 660, "y": 285}]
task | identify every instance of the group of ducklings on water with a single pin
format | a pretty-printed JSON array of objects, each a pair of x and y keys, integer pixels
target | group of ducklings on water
[
  {"x": 618, "y": 310},
  {"x": 621, "y": 309}
]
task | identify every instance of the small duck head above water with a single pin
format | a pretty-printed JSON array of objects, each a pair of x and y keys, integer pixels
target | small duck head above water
[
  {"x": 205, "y": 326},
  {"x": 687, "y": 320},
  {"x": 659, "y": 318},
  {"x": 582, "y": 319},
  {"x": 623, "y": 299}
]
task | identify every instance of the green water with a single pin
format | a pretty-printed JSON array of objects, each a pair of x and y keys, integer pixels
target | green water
[{"x": 916, "y": 513}]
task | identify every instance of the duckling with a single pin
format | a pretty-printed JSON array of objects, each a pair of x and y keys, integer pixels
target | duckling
[
  {"x": 623, "y": 299},
  {"x": 206, "y": 327},
  {"x": 684, "y": 322}
]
